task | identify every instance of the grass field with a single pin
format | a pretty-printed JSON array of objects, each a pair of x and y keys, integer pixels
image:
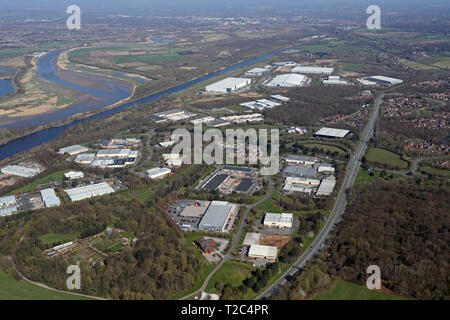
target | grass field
[
  {"x": 232, "y": 272},
  {"x": 385, "y": 157},
  {"x": 364, "y": 176},
  {"x": 146, "y": 58},
  {"x": 11, "y": 289},
  {"x": 51, "y": 238},
  {"x": 325, "y": 147},
  {"x": 349, "y": 291},
  {"x": 435, "y": 171}
]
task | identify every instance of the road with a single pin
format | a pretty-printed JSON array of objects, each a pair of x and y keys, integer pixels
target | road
[
  {"x": 339, "y": 206},
  {"x": 236, "y": 238}
]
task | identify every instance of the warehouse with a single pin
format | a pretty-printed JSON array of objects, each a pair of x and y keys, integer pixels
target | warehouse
[
  {"x": 284, "y": 64},
  {"x": 280, "y": 98},
  {"x": 297, "y": 188},
  {"x": 246, "y": 186},
  {"x": 72, "y": 175},
  {"x": 326, "y": 187},
  {"x": 267, "y": 104},
  {"x": 331, "y": 133},
  {"x": 8, "y": 211},
  {"x": 50, "y": 198},
  {"x": 304, "y": 182},
  {"x": 102, "y": 163},
  {"x": 7, "y": 201},
  {"x": 114, "y": 153},
  {"x": 20, "y": 171},
  {"x": 73, "y": 150},
  {"x": 86, "y": 158},
  {"x": 228, "y": 85},
  {"x": 257, "y": 72},
  {"x": 384, "y": 80},
  {"x": 156, "y": 173},
  {"x": 216, "y": 217},
  {"x": 313, "y": 70},
  {"x": 202, "y": 120},
  {"x": 263, "y": 252},
  {"x": 335, "y": 80},
  {"x": 300, "y": 171},
  {"x": 215, "y": 182},
  {"x": 89, "y": 191},
  {"x": 218, "y": 123},
  {"x": 288, "y": 80},
  {"x": 279, "y": 220},
  {"x": 324, "y": 167},
  {"x": 174, "y": 163},
  {"x": 194, "y": 211},
  {"x": 300, "y": 160},
  {"x": 169, "y": 113}
]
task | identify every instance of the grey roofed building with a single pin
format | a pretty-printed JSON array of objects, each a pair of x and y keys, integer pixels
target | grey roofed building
[
  {"x": 7, "y": 200},
  {"x": 304, "y": 159},
  {"x": 215, "y": 218},
  {"x": 8, "y": 211},
  {"x": 300, "y": 171},
  {"x": 50, "y": 198},
  {"x": 215, "y": 182},
  {"x": 238, "y": 169},
  {"x": 246, "y": 186}
]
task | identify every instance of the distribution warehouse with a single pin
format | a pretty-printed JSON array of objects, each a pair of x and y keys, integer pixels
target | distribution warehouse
[
  {"x": 73, "y": 150},
  {"x": 279, "y": 220},
  {"x": 20, "y": 171},
  {"x": 262, "y": 252},
  {"x": 50, "y": 198},
  {"x": 228, "y": 85},
  {"x": 313, "y": 70},
  {"x": 216, "y": 217},
  {"x": 89, "y": 191},
  {"x": 332, "y": 133},
  {"x": 288, "y": 80}
]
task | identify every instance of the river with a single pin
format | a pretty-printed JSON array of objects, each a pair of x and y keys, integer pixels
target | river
[{"x": 45, "y": 135}]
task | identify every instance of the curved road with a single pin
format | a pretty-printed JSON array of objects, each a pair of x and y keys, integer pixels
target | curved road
[
  {"x": 338, "y": 209},
  {"x": 236, "y": 238}
]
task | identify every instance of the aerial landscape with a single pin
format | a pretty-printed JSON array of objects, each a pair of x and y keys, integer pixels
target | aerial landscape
[{"x": 244, "y": 150}]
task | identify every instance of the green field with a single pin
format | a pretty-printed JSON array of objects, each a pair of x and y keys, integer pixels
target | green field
[
  {"x": 51, "y": 238},
  {"x": 11, "y": 289},
  {"x": 435, "y": 171},
  {"x": 325, "y": 147},
  {"x": 349, "y": 291},
  {"x": 381, "y": 156},
  {"x": 146, "y": 58},
  {"x": 232, "y": 272}
]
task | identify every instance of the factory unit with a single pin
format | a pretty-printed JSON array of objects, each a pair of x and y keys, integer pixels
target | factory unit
[
  {"x": 334, "y": 80},
  {"x": 216, "y": 216},
  {"x": 305, "y": 182},
  {"x": 175, "y": 163},
  {"x": 89, "y": 191},
  {"x": 244, "y": 117},
  {"x": 313, "y": 70},
  {"x": 257, "y": 251},
  {"x": 246, "y": 186},
  {"x": 158, "y": 173},
  {"x": 50, "y": 198},
  {"x": 114, "y": 153},
  {"x": 72, "y": 175},
  {"x": 73, "y": 150},
  {"x": 309, "y": 161},
  {"x": 238, "y": 171},
  {"x": 215, "y": 182},
  {"x": 288, "y": 80},
  {"x": 324, "y": 168},
  {"x": 280, "y": 98},
  {"x": 85, "y": 158},
  {"x": 284, "y": 64},
  {"x": 121, "y": 143},
  {"x": 257, "y": 72},
  {"x": 296, "y": 171},
  {"x": 8, "y": 211},
  {"x": 229, "y": 85},
  {"x": 332, "y": 133},
  {"x": 279, "y": 220},
  {"x": 202, "y": 120},
  {"x": 384, "y": 80},
  {"x": 20, "y": 171},
  {"x": 7, "y": 201},
  {"x": 326, "y": 187}
]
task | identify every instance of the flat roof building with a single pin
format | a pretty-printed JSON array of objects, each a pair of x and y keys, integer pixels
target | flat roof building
[
  {"x": 300, "y": 159},
  {"x": 85, "y": 158},
  {"x": 313, "y": 70},
  {"x": 215, "y": 182},
  {"x": 89, "y": 191},
  {"x": 20, "y": 171},
  {"x": 279, "y": 98},
  {"x": 229, "y": 85},
  {"x": 288, "y": 80},
  {"x": 50, "y": 198},
  {"x": 326, "y": 187},
  {"x": 332, "y": 133},
  {"x": 263, "y": 252},
  {"x": 156, "y": 173},
  {"x": 73, "y": 150},
  {"x": 256, "y": 72},
  {"x": 7, "y": 201},
  {"x": 284, "y": 64},
  {"x": 385, "y": 80},
  {"x": 72, "y": 175},
  {"x": 246, "y": 186},
  {"x": 216, "y": 216},
  {"x": 300, "y": 171},
  {"x": 8, "y": 211},
  {"x": 279, "y": 220}
]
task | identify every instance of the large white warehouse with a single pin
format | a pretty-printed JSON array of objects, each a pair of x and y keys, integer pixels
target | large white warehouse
[
  {"x": 313, "y": 70},
  {"x": 385, "y": 80},
  {"x": 50, "y": 198},
  {"x": 262, "y": 252},
  {"x": 73, "y": 150},
  {"x": 279, "y": 220},
  {"x": 228, "y": 85},
  {"x": 93, "y": 190},
  {"x": 288, "y": 80},
  {"x": 20, "y": 171}
]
